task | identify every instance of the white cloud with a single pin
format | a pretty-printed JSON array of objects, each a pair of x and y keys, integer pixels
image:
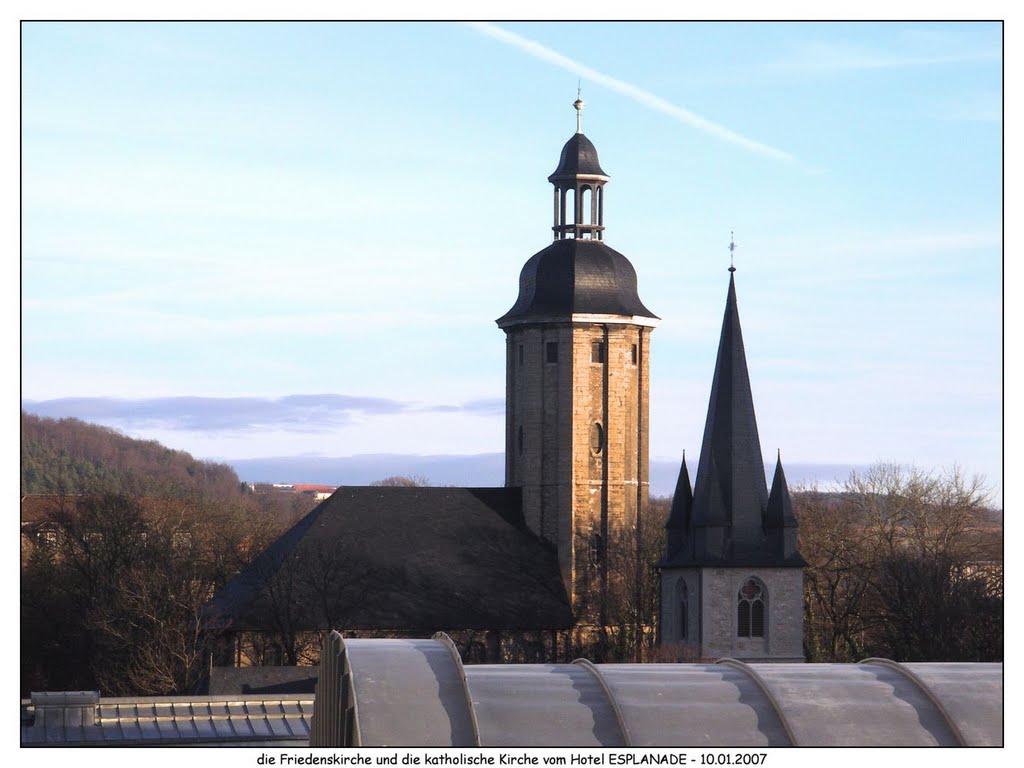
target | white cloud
[{"x": 630, "y": 91}]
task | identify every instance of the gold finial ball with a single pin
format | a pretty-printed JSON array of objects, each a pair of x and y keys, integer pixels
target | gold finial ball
[{"x": 579, "y": 104}]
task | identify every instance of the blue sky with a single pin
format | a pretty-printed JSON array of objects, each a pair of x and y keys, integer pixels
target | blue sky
[{"x": 250, "y": 240}]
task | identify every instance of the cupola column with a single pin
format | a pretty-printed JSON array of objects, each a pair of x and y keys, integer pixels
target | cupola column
[{"x": 580, "y": 175}]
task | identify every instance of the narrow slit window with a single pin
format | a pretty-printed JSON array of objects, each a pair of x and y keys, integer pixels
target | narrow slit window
[
  {"x": 635, "y": 354},
  {"x": 597, "y": 352},
  {"x": 552, "y": 351},
  {"x": 520, "y": 354},
  {"x": 683, "y": 613},
  {"x": 595, "y": 548}
]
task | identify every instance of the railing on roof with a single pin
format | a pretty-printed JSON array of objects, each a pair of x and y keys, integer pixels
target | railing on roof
[{"x": 84, "y": 718}]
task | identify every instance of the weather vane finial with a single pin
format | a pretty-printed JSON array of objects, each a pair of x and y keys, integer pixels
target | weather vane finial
[
  {"x": 579, "y": 104},
  {"x": 732, "y": 247}
]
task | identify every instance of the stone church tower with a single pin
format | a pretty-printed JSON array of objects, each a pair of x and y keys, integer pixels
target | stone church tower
[
  {"x": 577, "y": 371},
  {"x": 732, "y": 578}
]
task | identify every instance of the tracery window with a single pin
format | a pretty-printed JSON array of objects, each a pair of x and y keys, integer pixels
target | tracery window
[{"x": 750, "y": 609}]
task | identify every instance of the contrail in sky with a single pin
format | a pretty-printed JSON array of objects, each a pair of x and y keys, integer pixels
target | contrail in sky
[{"x": 646, "y": 98}]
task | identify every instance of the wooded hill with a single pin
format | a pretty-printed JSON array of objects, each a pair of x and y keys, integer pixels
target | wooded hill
[{"x": 72, "y": 456}]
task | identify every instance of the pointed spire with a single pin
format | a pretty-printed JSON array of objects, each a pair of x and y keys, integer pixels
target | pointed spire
[
  {"x": 730, "y": 493},
  {"x": 779, "y": 518},
  {"x": 579, "y": 104},
  {"x": 732, "y": 247},
  {"x": 679, "y": 524},
  {"x": 780, "y": 505},
  {"x": 732, "y": 519},
  {"x": 682, "y": 500}
]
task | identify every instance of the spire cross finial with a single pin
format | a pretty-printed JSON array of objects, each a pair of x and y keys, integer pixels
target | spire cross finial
[
  {"x": 579, "y": 104},
  {"x": 732, "y": 247}
]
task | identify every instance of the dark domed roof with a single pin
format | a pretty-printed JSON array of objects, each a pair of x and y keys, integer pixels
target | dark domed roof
[
  {"x": 574, "y": 276},
  {"x": 579, "y": 156}
]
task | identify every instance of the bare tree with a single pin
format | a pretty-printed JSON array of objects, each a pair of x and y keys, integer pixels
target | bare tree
[
  {"x": 403, "y": 481},
  {"x": 112, "y": 595},
  {"x": 902, "y": 563},
  {"x": 617, "y": 620}
]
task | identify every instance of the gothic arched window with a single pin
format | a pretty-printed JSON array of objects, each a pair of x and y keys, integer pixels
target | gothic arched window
[{"x": 750, "y": 609}]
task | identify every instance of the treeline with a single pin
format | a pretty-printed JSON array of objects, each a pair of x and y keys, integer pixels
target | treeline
[
  {"x": 902, "y": 564},
  {"x": 123, "y": 543},
  {"x": 71, "y": 456},
  {"x": 113, "y": 588}
]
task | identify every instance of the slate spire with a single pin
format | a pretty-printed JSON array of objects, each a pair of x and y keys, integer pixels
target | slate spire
[
  {"x": 730, "y": 495},
  {"x": 780, "y": 522},
  {"x": 679, "y": 522}
]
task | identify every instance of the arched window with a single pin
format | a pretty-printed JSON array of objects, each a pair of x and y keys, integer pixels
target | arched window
[
  {"x": 596, "y": 439},
  {"x": 683, "y": 613},
  {"x": 750, "y": 609}
]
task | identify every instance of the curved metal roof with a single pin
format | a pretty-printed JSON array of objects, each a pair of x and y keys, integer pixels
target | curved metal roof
[
  {"x": 418, "y": 693},
  {"x": 578, "y": 158},
  {"x": 576, "y": 276}
]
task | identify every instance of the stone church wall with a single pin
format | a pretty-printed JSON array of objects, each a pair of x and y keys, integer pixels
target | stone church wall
[{"x": 711, "y": 602}]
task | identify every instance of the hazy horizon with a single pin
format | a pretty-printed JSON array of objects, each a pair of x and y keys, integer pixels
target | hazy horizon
[{"x": 464, "y": 470}]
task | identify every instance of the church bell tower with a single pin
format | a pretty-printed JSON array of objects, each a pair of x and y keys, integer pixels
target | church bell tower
[{"x": 577, "y": 373}]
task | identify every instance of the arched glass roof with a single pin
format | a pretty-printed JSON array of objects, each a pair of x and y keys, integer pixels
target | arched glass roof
[{"x": 418, "y": 693}]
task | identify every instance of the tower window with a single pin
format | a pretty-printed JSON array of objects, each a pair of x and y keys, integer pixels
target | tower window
[
  {"x": 750, "y": 610},
  {"x": 552, "y": 351},
  {"x": 597, "y": 439},
  {"x": 597, "y": 352},
  {"x": 595, "y": 548},
  {"x": 520, "y": 354},
  {"x": 635, "y": 355},
  {"x": 519, "y": 438}
]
